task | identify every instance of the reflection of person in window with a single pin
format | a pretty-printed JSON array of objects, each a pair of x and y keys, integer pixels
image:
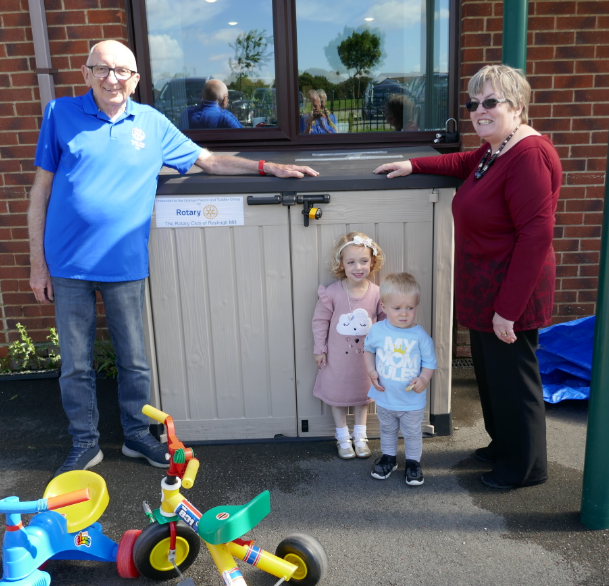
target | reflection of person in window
[
  {"x": 211, "y": 112},
  {"x": 323, "y": 98},
  {"x": 316, "y": 121},
  {"x": 400, "y": 112}
]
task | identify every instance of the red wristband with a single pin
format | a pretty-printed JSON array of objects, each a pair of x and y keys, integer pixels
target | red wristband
[{"x": 261, "y": 167}]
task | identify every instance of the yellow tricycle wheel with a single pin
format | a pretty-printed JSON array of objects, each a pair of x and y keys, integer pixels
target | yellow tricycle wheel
[
  {"x": 158, "y": 555},
  {"x": 150, "y": 552},
  {"x": 301, "y": 566},
  {"x": 309, "y": 557}
]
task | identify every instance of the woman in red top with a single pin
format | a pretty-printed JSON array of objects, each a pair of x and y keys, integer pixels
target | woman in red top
[{"x": 504, "y": 266}]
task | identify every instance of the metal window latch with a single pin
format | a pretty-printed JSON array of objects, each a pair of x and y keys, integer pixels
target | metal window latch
[
  {"x": 448, "y": 136},
  {"x": 290, "y": 198}
]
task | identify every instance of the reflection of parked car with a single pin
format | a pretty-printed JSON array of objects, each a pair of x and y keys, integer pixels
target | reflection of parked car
[
  {"x": 264, "y": 105},
  {"x": 439, "y": 100},
  {"x": 240, "y": 106},
  {"x": 375, "y": 96},
  {"x": 178, "y": 94}
]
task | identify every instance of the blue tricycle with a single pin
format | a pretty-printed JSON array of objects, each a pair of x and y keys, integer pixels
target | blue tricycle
[{"x": 64, "y": 528}]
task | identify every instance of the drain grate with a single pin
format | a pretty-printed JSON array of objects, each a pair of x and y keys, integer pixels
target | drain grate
[{"x": 463, "y": 363}]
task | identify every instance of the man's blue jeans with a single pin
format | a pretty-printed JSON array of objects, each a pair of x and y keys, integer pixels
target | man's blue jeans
[{"x": 75, "y": 317}]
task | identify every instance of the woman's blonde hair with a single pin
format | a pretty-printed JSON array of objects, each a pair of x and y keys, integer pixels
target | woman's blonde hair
[
  {"x": 509, "y": 82},
  {"x": 336, "y": 259},
  {"x": 403, "y": 284}
]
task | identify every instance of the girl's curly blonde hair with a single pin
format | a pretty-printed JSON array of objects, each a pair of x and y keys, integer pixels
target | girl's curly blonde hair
[{"x": 336, "y": 259}]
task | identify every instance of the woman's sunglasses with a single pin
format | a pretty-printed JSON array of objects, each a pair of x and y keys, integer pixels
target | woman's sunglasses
[{"x": 486, "y": 104}]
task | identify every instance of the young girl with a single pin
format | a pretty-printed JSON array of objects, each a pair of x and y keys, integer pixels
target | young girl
[{"x": 344, "y": 313}]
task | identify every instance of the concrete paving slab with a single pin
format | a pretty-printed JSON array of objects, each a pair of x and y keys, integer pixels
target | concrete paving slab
[{"x": 452, "y": 530}]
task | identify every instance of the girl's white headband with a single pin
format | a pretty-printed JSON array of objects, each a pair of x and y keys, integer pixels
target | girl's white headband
[{"x": 359, "y": 241}]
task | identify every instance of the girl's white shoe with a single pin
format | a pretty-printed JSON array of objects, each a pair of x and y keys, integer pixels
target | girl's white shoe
[{"x": 361, "y": 447}]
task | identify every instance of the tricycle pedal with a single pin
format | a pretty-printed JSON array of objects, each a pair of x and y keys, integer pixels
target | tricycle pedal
[{"x": 187, "y": 582}]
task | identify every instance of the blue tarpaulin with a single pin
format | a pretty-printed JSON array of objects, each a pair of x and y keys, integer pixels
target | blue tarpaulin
[{"x": 565, "y": 359}]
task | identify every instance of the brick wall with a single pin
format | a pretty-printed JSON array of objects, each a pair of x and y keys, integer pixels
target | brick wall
[
  {"x": 568, "y": 68},
  {"x": 74, "y": 26}
]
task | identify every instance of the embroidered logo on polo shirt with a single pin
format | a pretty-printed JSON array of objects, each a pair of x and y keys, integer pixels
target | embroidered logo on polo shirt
[{"x": 138, "y": 135}]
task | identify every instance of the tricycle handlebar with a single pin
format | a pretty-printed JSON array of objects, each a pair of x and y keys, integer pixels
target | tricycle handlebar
[
  {"x": 12, "y": 505},
  {"x": 154, "y": 413}
]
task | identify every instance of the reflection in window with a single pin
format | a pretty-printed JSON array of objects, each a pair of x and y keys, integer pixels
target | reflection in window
[
  {"x": 212, "y": 62},
  {"x": 370, "y": 60}
]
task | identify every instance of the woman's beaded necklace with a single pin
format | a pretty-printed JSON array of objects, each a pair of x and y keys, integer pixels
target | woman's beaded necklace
[
  {"x": 346, "y": 288},
  {"x": 483, "y": 167}
]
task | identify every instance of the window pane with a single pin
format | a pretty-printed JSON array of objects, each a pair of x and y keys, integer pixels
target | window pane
[
  {"x": 363, "y": 65},
  {"x": 213, "y": 62}
]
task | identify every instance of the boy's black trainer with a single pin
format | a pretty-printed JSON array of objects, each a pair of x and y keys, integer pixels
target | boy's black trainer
[
  {"x": 414, "y": 474},
  {"x": 383, "y": 467}
]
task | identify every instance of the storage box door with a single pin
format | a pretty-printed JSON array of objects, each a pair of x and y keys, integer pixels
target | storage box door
[
  {"x": 222, "y": 308},
  {"x": 402, "y": 224}
]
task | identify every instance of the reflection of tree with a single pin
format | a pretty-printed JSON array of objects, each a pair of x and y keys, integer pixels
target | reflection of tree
[
  {"x": 250, "y": 53},
  {"x": 361, "y": 52}
]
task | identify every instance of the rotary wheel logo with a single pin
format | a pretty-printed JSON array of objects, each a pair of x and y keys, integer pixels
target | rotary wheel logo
[
  {"x": 138, "y": 134},
  {"x": 210, "y": 212},
  {"x": 222, "y": 516}
]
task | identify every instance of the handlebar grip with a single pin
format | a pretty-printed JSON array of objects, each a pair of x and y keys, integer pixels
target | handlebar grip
[
  {"x": 192, "y": 468},
  {"x": 69, "y": 498},
  {"x": 154, "y": 413}
]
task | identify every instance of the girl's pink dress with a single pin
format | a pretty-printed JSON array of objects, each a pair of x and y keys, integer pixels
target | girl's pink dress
[{"x": 339, "y": 333}]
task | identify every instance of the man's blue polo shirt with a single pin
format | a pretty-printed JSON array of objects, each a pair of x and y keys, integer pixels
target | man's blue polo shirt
[
  {"x": 98, "y": 218},
  {"x": 208, "y": 114}
]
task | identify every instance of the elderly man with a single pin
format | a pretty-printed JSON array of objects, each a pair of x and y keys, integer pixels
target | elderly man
[
  {"x": 98, "y": 159},
  {"x": 211, "y": 112},
  {"x": 319, "y": 120}
]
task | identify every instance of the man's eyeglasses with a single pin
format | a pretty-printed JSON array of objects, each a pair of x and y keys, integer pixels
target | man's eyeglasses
[
  {"x": 102, "y": 72},
  {"x": 486, "y": 104}
]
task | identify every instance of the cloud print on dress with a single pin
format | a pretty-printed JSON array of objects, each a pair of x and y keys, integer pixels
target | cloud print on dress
[{"x": 358, "y": 326}]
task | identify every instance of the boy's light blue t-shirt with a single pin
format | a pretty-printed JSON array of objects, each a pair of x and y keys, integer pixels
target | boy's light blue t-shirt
[{"x": 400, "y": 355}]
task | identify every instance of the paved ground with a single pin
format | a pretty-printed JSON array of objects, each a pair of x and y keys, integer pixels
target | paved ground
[{"x": 451, "y": 531}]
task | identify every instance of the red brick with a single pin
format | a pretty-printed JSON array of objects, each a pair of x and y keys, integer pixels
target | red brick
[
  {"x": 602, "y": 22},
  {"x": 14, "y": 64},
  {"x": 476, "y": 9},
  {"x": 593, "y": 219},
  {"x": 596, "y": 165},
  {"x": 541, "y": 23},
  {"x": 552, "y": 124},
  {"x": 469, "y": 55},
  {"x": 571, "y": 138},
  {"x": 555, "y": 8},
  {"x": 14, "y": 273},
  {"x": 12, "y": 35},
  {"x": 492, "y": 55},
  {"x": 595, "y": 192},
  {"x": 598, "y": 65},
  {"x": 108, "y": 16},
  {"x": 574, "y": 81},
  {"x": 585, "y": 178},
  {"x": 12, "y": 19},
  {"x": 111, "y": 4},
  {"x": 78, "y": 47},
  {"x": 598, "y": 138},
  {"x": 57, "y": 33},
  {"x": 589, "y": 270},
  {"x": 540, "y": 53},
  {"x": 575, "y": 52},
  {"x": 80, "y": 4},
  {"x": 566, "y": 270},
  {"x": 586, "y": 151},
  {"x": 472, "y": 25},
  {"x": 572, "y": 192},
  {"x": 601, "y": 80},
  {"x": 69, "y": 78},
  {"x": 65, "y": 17},
  {"x": 593, "y": 7},
  {"x": 569, "y": 219},
  {"x": 28, "y": 137},
  {"x": 575, "y": 23},
  {"x": 493, "y": 24},
  {"x": 84, "y": 32},
  {"x": 20, "y": 49},
  {"x": 540, "y": 110},
  {"x": 585, "y": 205},
  {"x": 24, "y": 79},
  {"x": 590, "y": 123},
  {"x": 8, "y": 138},
  {"x": 23, "y": 260},
  {"x": 565, "y": 296},
  {"x": 580, "y": 283},
  {"x": 591, "y": 244},
  {"x": 19, "y": 298},
  {"x": 600, "y": 109},
  {"x": 476, "y": 40},
  {"x": 554, "y": 38},
  {"x": 540, "y": 82},
  {"x": 588, "y": 295},
  {"x": 39, "y": 310},
  {"x": 590, "y": 37},
  {"x": 18, "y": 152},
  {"x": 570, "y": 165},
  {"x": 19, "y": 179},
  {"x": 553, "y": 96},
  {"x": 65, "y": 91},
  {"x": 15, "y": 95},
  {"x": 566, "y": 245},
  {"x": 571, "y": 110},
  {"x": 579, "y": 309}
]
